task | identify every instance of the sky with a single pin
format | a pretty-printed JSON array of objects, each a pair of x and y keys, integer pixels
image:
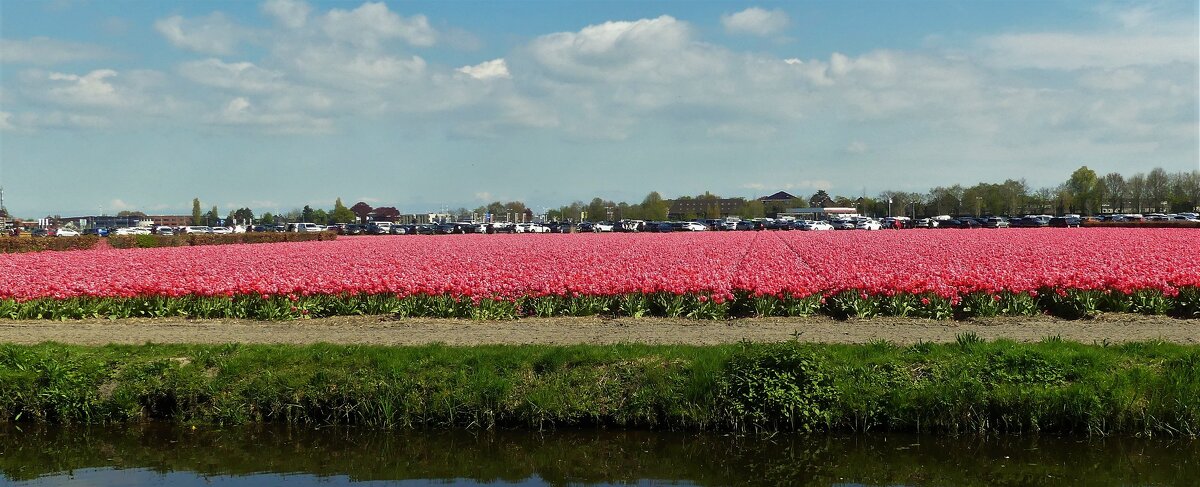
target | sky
[{"x": 143, "y": 105}]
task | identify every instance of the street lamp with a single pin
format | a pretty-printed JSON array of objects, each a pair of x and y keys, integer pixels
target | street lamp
[{"x": 978, "y": 202}]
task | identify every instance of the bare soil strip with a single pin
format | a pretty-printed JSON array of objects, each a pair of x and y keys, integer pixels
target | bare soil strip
[{"x": 382, "y": 330}]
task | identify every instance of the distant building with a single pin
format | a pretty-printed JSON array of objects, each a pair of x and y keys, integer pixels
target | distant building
[
  {"x": 703, "y": 207},
  {"x": 780, "y": 197},
  {"x": 422, "y": 218},
  {"x": 774, "y": 205},
  {"x": 171, "y": 220},
  {"x": 819, "y": 213}
]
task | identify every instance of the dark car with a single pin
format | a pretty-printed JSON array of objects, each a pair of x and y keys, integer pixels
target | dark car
[
  {"x": 659, "y": 227},
  {"x": 1065, "y": 222},
  {"x": 374, "y": 229},
  {"x": 99, "y": 232},
  {"x": 1030, "y": 222},
  {"x": 353, "y": 229},
  {"x": 961, "y": 222},
  {"x": 777, "y": 225},
  {"x": 404, "y": 229},
  {"x": 39, "y": 232}
]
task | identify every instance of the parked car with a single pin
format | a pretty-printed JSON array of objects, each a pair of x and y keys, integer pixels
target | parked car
[
  {"x": 961, "y": 222},
  {"x": 99, "y": 232},
  {"x": 304, "y": 228},
  {"x": 1065, "y": 222},
  {"x": 843, "y": 224},
  {"x": 868, "y": 224},
  {"x": 818, "y": 225},
  {"x": 379, "y": 228},
  {"x": 222, "y": 230},
  {"x": 66, "y": 232},
  {"x": 995, "y": 222},
  {"x": 195, "y": 229},
  {"x": 163, "y": 230}
]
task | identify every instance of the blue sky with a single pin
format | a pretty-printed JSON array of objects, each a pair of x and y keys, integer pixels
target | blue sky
[{"x": 143, "y": 105}]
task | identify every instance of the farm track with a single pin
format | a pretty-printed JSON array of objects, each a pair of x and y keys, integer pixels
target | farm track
[{"x": 383, "y": 330}]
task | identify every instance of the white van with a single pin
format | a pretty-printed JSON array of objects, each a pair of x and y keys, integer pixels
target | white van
[{"x": 304, "y": 227}]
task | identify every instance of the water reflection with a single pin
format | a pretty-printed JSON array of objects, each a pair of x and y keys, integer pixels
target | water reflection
[{"x": 158, "y": 454}]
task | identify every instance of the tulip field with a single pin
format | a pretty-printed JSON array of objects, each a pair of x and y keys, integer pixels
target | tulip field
[{"x": 935, "y": 274}]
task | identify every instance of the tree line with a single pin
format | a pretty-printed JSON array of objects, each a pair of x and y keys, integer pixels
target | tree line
[{"x": 1084, "y": 192}]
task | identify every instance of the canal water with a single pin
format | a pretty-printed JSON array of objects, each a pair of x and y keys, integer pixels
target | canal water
[{"x": 159, "y": 454}]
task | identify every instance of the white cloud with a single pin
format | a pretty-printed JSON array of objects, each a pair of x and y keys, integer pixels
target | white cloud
[
  {"x": 241, "y": 112},
  {"x": 292, "y": 14},
  {"x": 33, "y": 121},
  {"x": 660, "y": 49},
  {"x": 243, "y": 76},
  {"x": 756, "y": 21},
  {"x": 483, "y": 196},
  {"x": 856, "y": 147},
  {"x": 742, "y": 131},
  {"x": 213, "y": 34},
  {"x": 353, "y": 69},
  {"x": 119, "y": 205},
  {"x": 372, "y": 23},
  {"x": 1068, "y": 51},
  {"x": 44, "y": 51},
  {"x": 89, "y": 89},
  {"x": 493, "y": 69},
  {"x": 1113, "y": 79}
]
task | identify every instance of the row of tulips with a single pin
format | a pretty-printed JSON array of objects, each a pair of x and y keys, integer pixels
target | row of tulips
[
  {"x": 851, "y": 304},
  {"x": 1069, "y": 272}
]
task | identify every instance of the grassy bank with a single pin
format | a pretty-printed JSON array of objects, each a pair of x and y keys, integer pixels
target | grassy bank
[
  {"x": 969, "y": 386},
  {"x": 1066, "y": 303}
]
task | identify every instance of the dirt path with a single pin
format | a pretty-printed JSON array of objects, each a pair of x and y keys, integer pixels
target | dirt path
[{"x": 378, "y": 330}]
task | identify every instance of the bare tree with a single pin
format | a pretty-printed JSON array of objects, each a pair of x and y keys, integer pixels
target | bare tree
[
  {"x": 1136, "y": 187},
  {"x": 1157, "y": 189},
  {"x": 1114, "y": 191}
]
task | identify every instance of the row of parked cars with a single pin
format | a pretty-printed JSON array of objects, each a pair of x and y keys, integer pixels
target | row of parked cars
[{"x": 631, "y": 226}]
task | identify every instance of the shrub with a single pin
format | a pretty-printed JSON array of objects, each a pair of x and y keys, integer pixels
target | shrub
[
  {"x": 29, "y": 244},
  {"x": 151, "y": 241}
]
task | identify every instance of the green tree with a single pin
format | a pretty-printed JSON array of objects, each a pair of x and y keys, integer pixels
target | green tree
[
  {"x": 213, "y": 216},
  {"x": 244, "y": 216},
  {"x": 654, "y": 207},
  {"x": 752, "y": 209},
  {"x": 197, "y": 214},
  {"x": 320, "y": 217},
  {"x": 306, "y": 215},
  {"x": 341, "y": 214},
  {"x": 1081, "y": 190},
  {"x": 820, "y": 199},
  {"x": 268, "y": 219}
]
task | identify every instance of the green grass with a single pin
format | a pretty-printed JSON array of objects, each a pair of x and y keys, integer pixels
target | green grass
[{"x": 969, "y": 386}]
